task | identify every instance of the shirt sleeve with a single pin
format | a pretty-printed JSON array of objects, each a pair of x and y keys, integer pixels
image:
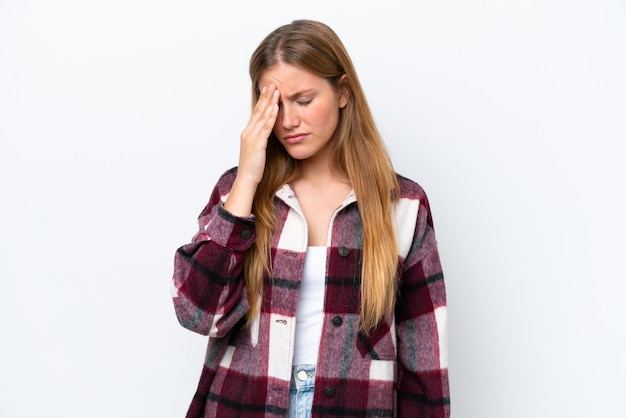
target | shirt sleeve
[
  {"x": 208, "y": 288},
  {"x": 421, "y": 326}
]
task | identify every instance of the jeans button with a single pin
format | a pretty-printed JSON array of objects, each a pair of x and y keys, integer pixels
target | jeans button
[{"x": 301, "y": 375}]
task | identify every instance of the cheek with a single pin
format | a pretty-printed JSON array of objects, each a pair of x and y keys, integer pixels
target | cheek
[
  {"x": 329, "y": 117},
  {"x": 322, "y": 115}
]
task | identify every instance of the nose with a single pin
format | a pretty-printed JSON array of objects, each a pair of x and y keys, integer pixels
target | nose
[{"x": 288, "y": 117}]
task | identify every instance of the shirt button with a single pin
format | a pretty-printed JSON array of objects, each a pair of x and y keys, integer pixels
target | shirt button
[
  {"x": 343, "y": 251},
  {"x": 337, "y": 321},
  {"x": 329, "y": 391},
  {"x": 245, "y": 233}
]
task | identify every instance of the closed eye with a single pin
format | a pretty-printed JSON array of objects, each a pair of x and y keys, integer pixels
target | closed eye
[{"x": 304, "y": 102}]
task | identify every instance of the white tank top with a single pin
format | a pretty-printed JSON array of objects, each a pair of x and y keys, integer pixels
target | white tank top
[{"x": 310, "y": 311}]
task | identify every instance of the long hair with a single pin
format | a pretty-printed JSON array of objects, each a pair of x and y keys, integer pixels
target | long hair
[{"x": 358, "y": 150}]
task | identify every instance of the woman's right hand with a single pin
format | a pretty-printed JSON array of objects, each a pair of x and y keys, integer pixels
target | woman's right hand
[
  {"x": 252, "y": 152},
  {"x": 254, "y": 137}
]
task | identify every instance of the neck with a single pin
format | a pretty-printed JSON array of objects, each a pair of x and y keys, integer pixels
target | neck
[
  {"x": 319, "y": 169},
  {"x": 320, "y": 172}
]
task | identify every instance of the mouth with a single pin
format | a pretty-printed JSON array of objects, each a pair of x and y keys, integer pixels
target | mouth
[{"x": 295, "y": 138}]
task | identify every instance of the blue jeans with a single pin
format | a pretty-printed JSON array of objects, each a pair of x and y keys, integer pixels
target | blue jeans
[{"x": 301, "y": 391}]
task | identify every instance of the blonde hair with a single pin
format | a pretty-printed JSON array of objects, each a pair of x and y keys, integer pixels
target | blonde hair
[{"x": 358, "y": 150}]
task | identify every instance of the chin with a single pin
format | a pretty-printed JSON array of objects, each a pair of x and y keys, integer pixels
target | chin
[
  {"x": 299, "y": 157},
  {"x": 299, "y": 154}
]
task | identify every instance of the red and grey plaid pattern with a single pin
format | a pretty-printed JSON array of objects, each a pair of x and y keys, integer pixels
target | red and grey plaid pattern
[{"x": 400, "y": 369}]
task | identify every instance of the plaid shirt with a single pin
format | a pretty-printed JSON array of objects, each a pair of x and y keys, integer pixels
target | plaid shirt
[{"x": 400, "y": 369}]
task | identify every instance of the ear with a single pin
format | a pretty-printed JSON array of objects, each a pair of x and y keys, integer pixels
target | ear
[{"x": 344, "y": 91}]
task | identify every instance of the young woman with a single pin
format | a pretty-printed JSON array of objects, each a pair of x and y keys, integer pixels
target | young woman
[{"x": 315, "y": 272}]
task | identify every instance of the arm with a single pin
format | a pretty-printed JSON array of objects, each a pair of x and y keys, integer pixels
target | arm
[
  {"x": 208, "y": 288},
  {"x": 421, "y": 326}
]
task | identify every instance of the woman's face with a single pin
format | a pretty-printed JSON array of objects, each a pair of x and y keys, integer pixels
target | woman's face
[{"x": 308, "y": 109}]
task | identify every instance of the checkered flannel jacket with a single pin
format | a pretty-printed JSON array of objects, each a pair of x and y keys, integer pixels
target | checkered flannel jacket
[{"x": 399, "y": 370}]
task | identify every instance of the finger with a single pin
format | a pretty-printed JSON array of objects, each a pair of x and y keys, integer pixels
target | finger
[
  {"x": 263, "y": 117},
  {"x": 271, "y": 110},
  {"x": 265, "y": 112},
  {"x": 266, "y": 98},
  {"x": 260, "y": 107}
]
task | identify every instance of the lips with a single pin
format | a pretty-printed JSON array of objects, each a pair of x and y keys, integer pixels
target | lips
[{"x": 296, "y": 138}]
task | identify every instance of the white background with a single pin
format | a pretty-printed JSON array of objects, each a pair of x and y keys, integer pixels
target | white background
[{"x": 117, "y": 117}]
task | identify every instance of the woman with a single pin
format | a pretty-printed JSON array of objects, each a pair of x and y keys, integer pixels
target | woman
[{"x": 315, "y": 272}]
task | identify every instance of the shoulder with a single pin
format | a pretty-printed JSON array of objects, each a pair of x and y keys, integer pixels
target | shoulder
[
  {"x": 225, "y": 181},
  {"x": 409, "y": 189},
  {"x": 412, "y": 194},
  {"x": 221, "y": 189},
  {"x": 228, "y": 176}
]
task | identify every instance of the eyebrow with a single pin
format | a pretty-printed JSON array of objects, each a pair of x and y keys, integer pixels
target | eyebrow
[{"x": 298, "y": 94}]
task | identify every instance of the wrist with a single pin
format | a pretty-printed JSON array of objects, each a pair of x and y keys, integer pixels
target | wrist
[{"x": 240, "y": 198}]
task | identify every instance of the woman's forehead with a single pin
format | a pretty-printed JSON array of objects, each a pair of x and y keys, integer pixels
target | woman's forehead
[{"x": 289, "y": 78}]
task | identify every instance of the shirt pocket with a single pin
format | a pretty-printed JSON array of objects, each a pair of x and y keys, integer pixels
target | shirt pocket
[
  {"x": 242, "y": 335},
  {"x": 378, "y": 345}
]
